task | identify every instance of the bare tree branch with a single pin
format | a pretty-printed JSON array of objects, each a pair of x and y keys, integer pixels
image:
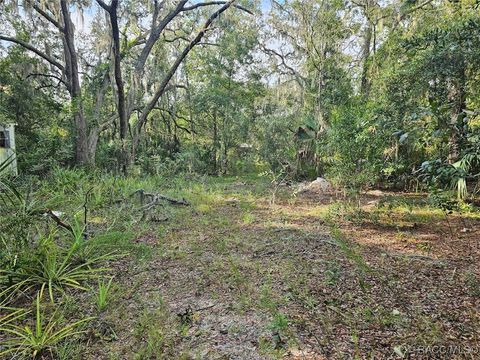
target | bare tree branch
[
  {"x": 161, "y": 90},
  {"x": 415, "y": 8},
  {"x": 299, "y": 78},
  {"x": 184, "y": 38},
  {"x": 175, "y": 86},
  {"x": 155, "y": 34},
  {"x": 104, "y": 5},
  {"x": 60, "y": 80},
  {"x": 104, "y": 126},
  {"x": 27, "y": 46},
  {"x": 48, "y": 17},
  {"x": 209, "y": 3}
]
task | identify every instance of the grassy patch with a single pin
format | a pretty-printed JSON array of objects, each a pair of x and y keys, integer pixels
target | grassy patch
[{"x": 240, "y": 268}]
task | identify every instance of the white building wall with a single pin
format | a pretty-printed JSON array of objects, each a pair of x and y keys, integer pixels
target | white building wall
[{"x": 5, "y": 153}]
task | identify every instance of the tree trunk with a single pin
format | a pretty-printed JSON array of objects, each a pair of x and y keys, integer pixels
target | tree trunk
[
  {"x": 215, "y": 142},
  {"x": 72, "y": 74},
  {"x": 112, "y": 10},
  {"x": 365, "y": 83},
  {"x": 457, "y": 99},
  {"x": 92, "y": 145},
  {"x": 190, "y": 104},
  {"x": 118, "y": 71}
]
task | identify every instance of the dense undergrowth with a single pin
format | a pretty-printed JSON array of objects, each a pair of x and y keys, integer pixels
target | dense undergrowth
[
  {"x": 58, "y": 273},
  {"x": 60, "y": 237},
  {"x": 112, "y": 245}
]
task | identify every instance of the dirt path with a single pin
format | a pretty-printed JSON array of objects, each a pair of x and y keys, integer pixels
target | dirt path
[{"x": 241, "y": 279}]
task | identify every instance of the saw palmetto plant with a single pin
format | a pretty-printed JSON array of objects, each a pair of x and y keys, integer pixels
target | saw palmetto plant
[
  {"x": 52, "y": 268},
  {"x": 8, "y": 192},
  {"x": 31, "y": 341}
]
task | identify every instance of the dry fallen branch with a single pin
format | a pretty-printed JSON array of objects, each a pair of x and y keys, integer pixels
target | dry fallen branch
[
  {"x": 53, "y": 215},
  {"x": 150, "y": 200},
  {"x": 156, "y": 198}
]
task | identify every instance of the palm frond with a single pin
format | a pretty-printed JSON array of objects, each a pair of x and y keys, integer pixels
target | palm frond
[{"x": 8, "y": 192}]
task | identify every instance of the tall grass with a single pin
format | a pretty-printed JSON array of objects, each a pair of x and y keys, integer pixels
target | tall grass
[{"x": 103, "y": 294}]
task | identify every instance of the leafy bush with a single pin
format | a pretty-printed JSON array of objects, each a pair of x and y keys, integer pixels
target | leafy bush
[
  {"x": 353, "y": 150},
  {"x": 276, "y": 142},
  {"x": 442, "y": 175}
]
